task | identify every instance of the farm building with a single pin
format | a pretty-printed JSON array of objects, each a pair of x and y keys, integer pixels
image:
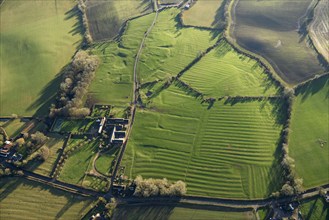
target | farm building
[
  {"x": 6, "y": 148},
  {"x": 101, "y": 125}
]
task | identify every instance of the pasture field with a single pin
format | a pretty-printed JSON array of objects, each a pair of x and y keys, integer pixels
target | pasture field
[
  {"x": 172, "y": 212},
  {"x": 114, "y": 77},
  {"x": 315, "y": 209},
  {"x": 105, "y": 18},
  {"x": 169, "y": 48},
  {"x": 105, "y": 161},
  {"x": 225, "y": 150},
  {"x": 309, "y": 132},
  {"x": 277, "y": 40},
  {"x": 78, "y": 163},
  {"x": 39, "y": 38},
  {"x": 224, "y": 72},
  {"x": 54, "y": 143},
  {"x": 13, "y": 126},
  {"x": 319, "y": 28},
  {"x": 205, "y": 13},
  {"x": 25, "y": 199}
]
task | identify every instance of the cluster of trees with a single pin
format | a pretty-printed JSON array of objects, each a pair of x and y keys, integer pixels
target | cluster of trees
[
  {"x": 158, "y": 187},
  {"x": 7, "y": 172},
  {"x": 77, "y": 78},
  {"x": 29, "y": 143},
  {"x": 83, "y": 9}
]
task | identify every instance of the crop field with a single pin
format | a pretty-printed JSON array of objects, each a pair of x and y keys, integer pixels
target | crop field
[
  {"x": 224, "y": 72},
  {"x": 78, "y": 163},
  {"x": 55, "y": 143},
  {"x": 114, "y": 77},
  {"x": 169, "y": 48},
  {"x": 22, "y": 198},
  {"x": 277, "y": 40},
  {"x": 131, "y": 212},
  {"x": 319, "y": 28},
  {"x": 205, "y": 13},
  {"x": 105, "y": 18},
  {"x": 309, "y": 132},
  {"x": 225, "y": 150},
  {"x": 39, "y": 38}
]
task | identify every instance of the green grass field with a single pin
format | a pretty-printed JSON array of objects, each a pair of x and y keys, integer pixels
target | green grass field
[
  {"x": 277, "y": 38},
  {"x": 78, "y": 163},
  {"x": 107, "y": 17},
  {"x": 44, "y": 168},
  {"x": 227, "y": 150},
  {"x": 224, "y": 72},
  {"x": 39, "y": 38},
  {"x": 114, "y": 77},
  {"x": 309, "y": 132},
  {"x": 315, "y": 209},
  {"x": 205, "y": 13},
  {"x": 104, "y": 162},
  {"x": 169, "y": 48},
  {"x": 13, "y": 126},
  {"x": 132, "y": 212},
  {"x": 24, "y": 199}
]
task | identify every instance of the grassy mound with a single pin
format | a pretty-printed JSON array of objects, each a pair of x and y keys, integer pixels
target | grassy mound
[
  {"x": 114, "y": 77},
  {"x": 38, "y": 39},
  {"x": 169, "y": 48}
]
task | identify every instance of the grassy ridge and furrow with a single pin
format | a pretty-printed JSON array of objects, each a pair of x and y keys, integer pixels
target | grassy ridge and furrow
[
  {"x": 24, "y": 199},
  {"x": 105, "y": 18},
  {"x": 114, "y": 77},
  {"x": 180, "y": 138},
  {"x": 225, "y": 72},
  {"x": 280, "y": 37},
  {"x": 309, "y": 132},
  {"x": 169, "y": 48}
]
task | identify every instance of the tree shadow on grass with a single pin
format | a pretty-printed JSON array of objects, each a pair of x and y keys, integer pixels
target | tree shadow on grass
[
  {"x": 77, "y": 28},
  {"x": 10, "y": 184},
  {"x": 46, "y": 97},
  {"x": 49, "y": 92},
  {"x": 146, "y": 5},
  {"x": 143, "y": 212},
  {"x": 218, "y": 24},
  {"x": 313, "y": 87}
]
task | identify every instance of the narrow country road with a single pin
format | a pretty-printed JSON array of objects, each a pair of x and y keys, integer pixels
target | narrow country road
[
  {"x": 229, "y": 203},
  {"x": 134, "y": 103}
]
